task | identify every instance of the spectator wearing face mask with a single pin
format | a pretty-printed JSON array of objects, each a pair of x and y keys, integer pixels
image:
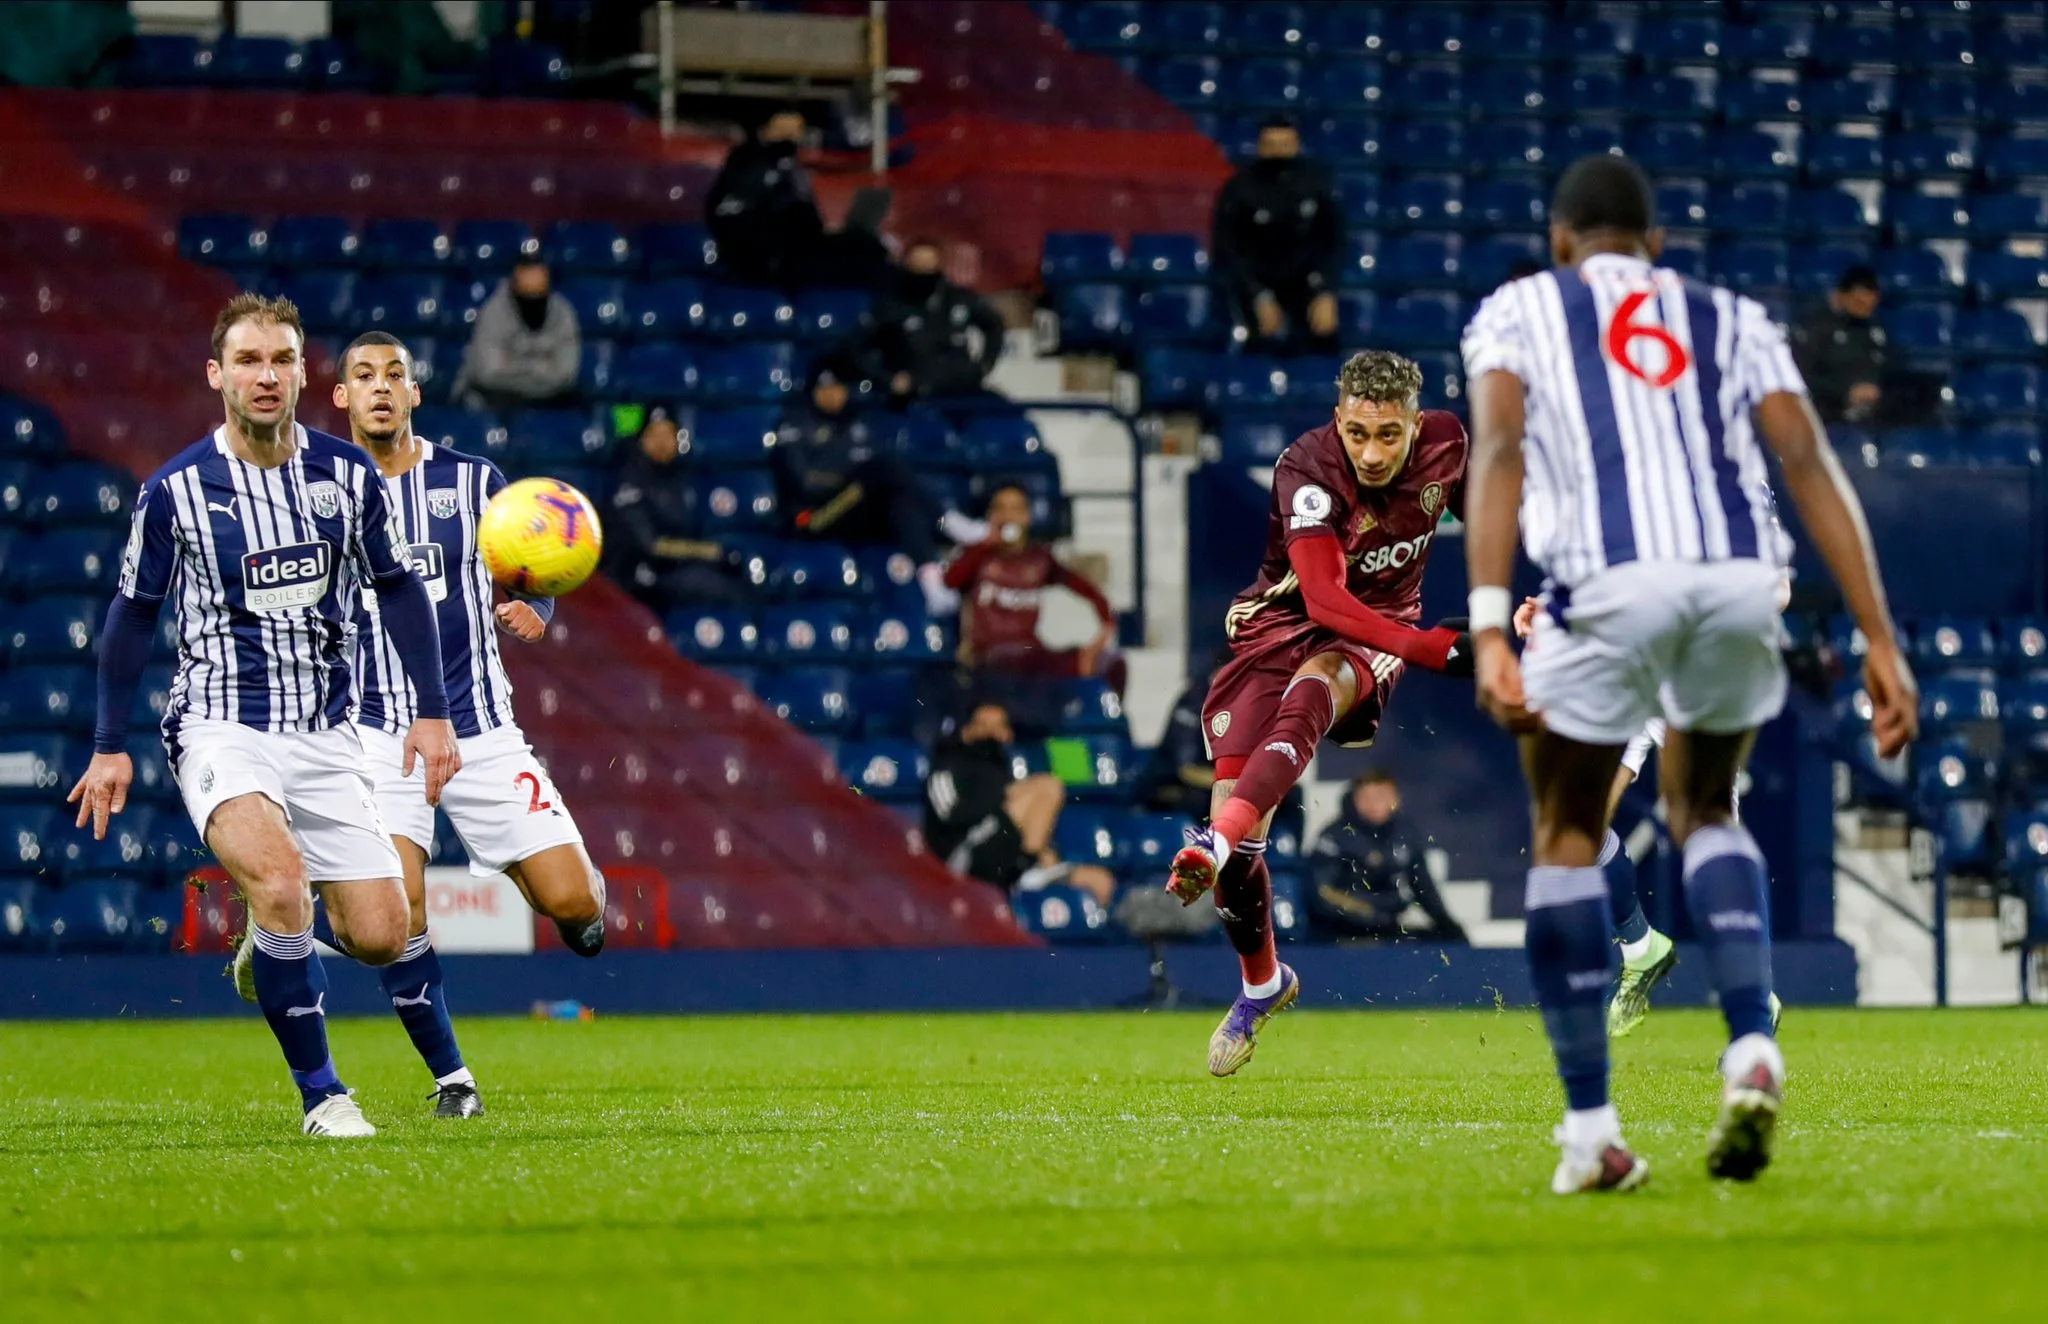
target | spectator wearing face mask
[
  {"x": 1277, "y": 247},
  {"x": 651, "y": 541},
  {"x": 526, "y": 347},
  {"x": 931, "y": 337},
  {"x": 1002, "y": 582},
  {"x": 764, "y": 217}
]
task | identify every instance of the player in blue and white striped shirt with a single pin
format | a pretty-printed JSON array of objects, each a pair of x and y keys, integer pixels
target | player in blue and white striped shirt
[
  {"x": 262, "y": 535},
  {"x": 1616, "y": 406},
  {"x": 502, "y": 803}
]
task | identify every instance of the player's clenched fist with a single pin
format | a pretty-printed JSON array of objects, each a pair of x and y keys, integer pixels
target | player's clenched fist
[
  {"x": 521, "y": 621},
  {"x": 1497, "y": 676},
  {"x": 102, "y": 791},
  {"x": 432, "y": 741}
]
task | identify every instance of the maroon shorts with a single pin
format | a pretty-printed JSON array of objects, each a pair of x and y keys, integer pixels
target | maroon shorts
[{"x": 1245, "y": 694}]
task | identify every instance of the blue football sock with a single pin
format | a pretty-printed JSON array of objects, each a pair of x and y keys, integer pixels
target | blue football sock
[
  {"x": 1571, "y": 962},
  {"x": 1726, "y": 892},
  {"x": 1622, "y": 902},
  {"x": 292, "y": 990},
  {"x": 414, "y": 985}
]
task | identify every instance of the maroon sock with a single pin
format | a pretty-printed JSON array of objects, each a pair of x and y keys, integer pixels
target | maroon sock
[
  {"x": 1244, "y": 902},
  {"x": 1306, "y": 712}
]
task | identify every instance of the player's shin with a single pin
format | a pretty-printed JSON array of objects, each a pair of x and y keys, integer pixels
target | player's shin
[
  {"x": 291, "y": 987},
  {"x": 1624, "y": 904},
  {"x": 1725, "y": 892},
  {"x": 1244, "y": 902},
  {"x": 1305, "y": 715},
  {"x": 413, "y": 983},
  {"x": 1571, "y": 952}
]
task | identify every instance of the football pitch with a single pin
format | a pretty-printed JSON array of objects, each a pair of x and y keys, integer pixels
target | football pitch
[{"x": 1015, "y": 1168}]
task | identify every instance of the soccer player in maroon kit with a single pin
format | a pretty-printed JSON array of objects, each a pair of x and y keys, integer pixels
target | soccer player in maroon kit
[
  {"x": 1317, "y": 643},
  {"x": 1002, "y": 582}
]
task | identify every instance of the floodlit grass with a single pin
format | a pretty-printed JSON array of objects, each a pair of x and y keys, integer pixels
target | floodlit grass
[{"x": 1042, "y": 1168}]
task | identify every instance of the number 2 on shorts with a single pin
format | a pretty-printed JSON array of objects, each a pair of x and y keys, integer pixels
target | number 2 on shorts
[{"x": 534, "y": 804}]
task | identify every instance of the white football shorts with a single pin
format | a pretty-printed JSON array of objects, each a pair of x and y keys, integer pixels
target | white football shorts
[
  {"x": 1638, "y": 752},
  {"x": 502, "y": 803},
  {"x": 317, "y": 777},
  {"x": 1695, "y": 643}
]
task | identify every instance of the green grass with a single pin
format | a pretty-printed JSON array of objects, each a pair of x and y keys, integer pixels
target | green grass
[{"x": 1042, "y": 1168}]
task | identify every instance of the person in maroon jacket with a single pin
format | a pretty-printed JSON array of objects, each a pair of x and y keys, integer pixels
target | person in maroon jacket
[
  {"x": 1002, "y": 582},
  {"x": 1317, "y": 644}
]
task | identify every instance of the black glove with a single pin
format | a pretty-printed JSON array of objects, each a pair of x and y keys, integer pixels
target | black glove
[{"x": 1459, "y": 661}]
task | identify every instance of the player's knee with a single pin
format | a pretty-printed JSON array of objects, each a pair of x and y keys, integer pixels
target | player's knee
[{"x": 376, "y": 940}]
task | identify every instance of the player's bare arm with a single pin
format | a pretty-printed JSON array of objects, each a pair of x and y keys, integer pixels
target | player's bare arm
[
  {"x": 1493, "y": 498},
  {"x": 1834, "y": 520}
]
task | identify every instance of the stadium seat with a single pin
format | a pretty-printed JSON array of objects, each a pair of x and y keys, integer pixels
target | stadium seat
[
  {"x": 1090, "y": 706},
  {"x": 1753, "y": 207},
  {"x": 714, "y": 634},
  {"x": 1422, "y": 322},
  {"x": 1509, "y": 90},
  {"x": 56, "y": 630},
  {"x": 810, "y": 571},
  {"x": 2022, "y": 645},
  {"x": 2016, "y": 105},
  {"x": 1350, "y": 87},
  {"x": 551, "y": 438},
  {"x": 2013, "y": 162},
  {"x": 404, "y": 244},
  {"x": 892, "y": 771},
  {"x": 1418, "y": 145},
  {"x": 733, "y": 436},
  {"x": 1420, "y": 261},
  {"x": 1938, "y": 103},
  {"x": 34, "y": 698},
  {"x": 1760, "y": 269},
  {"x": 1252, "y": 441},
  {"x": 1826, "y": 213},
  {"x": 1340, "y": 32},
  {"x": 1192, "y": 82},
  {"x": 1676, "y": 148},
  {"x": 733, "y": 501},
  {"x": 1915, "y": 273},
  {"x": 1516, "y": 35},
  {"x": 831, "y": 315},
  {"x": 1259, "y": 84},
  {"x": 657, "y": 371},
  {"x": 1176, "y": 315},
  {"x": 325, "y": 299},
  {"x": 96, "y": 915},
  {"x": 599, "y": 301},
  {"x": 1923, "y": 332},
  {"x": 1248, "y": 380},
  {"x": 812, "y": 698},
  {"x": 1841, "y": 47},
  {"x": 1492, "y": 262},
  {"x": 1425, "y": 204},
  {"x": 124, "y": 852},
  {"x": 1062, "y": 914},
  {"x": 597, "y": 373},
  {"x": 1756, "y": 101},
  {"x": 2003, "y": 390},
  {"x": 299, "y": 242},
  {"x": 2013, "y": 441},
  {"x": 1086, "y": 834},
  {"x": 80, "y": 493},
  {"x": 67, "y": 561},
  {"x": 1194, "y": 27},
  {"x": 1917, "y": 158},
  {"x": 665, "y": 309},
  {"x": 19, "y": 928},
  {"x": 1094, "y": 317},
  {"x": 2008, "y": 276},
  {"x": 1996, "y": 333},
  {"x": 223, "y": 240},
  {"x": 460, "y": 429},
  {"x": 1948, "y": 643},
  {"x": 404, "y": 304},
  {"x": 1359, "y": 200},
  {"x": 28, "y": 430},
  {"x": 1107, "y": 27},
  {"x": 2003, "y": 216},
  {"x": 1957, "y": 699},
  {"x": 1507, "y": 151},
  {"x": 1427, "y": 32},
  {"x": 1173, "y": 377},
  {"x": 743, "y": 312},
  {"x": 40, "y": 766},
  {"x": 1150, "y": 841},
  {"x": 593, "y": 247},
  {"x": 672, "y": 249},
  {"x": 1095, "y": 767},
  {"x": 806, "y": 634},
  {"x": 1836, "y": 156},
  {"x": 28, "y": 840},
  {"x": 1428, "y": 90},
  {"x": 1917, "y": 217},
  {"x": 1163, "y": 259},
  {"x": 895, "y": 637}
]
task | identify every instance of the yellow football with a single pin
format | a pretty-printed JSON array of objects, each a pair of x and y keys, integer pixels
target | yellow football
[{"x": 540, "y": 536}]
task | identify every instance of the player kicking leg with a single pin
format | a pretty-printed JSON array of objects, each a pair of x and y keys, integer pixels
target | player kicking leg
[
  {"x": 1318, "y": 642},
  {"x": 507, "y": 811}
]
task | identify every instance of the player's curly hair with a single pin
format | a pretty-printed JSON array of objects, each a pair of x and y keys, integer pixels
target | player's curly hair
[
  {"x": 1380, "y": 374},
  {"x": 248, "y": 307}
]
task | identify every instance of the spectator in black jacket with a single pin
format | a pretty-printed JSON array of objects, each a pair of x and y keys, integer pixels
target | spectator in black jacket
[
  {"x": 929, "y": 336},
  {"x": 765, "y": 218},
  {"x": 985, "y": 822},
  {"x": 650, "y": 542},
  {"x": 1368, "y": 867},
  {"x": 1278, "y": 245},
  {"x": 1840, "y": 350}
]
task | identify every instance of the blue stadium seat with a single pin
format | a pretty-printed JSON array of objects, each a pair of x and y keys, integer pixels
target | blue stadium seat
[
  {"x": 1073, "y": 256},
  {"x": 1826, "y": 213},
  {"x": 1753, "y": 207},
  {"x": 1188, "y": 27},
  {"x": 1086, "y": 834},
  {"x": 665, "y": 309},
  {"x": 1428, "y": 90},
  {"x": 1917, "y": 158},
  {"x": 299, "y": 242},
  {"x": 124, "y": 852},
  {"x": 28, "y": 839},
  {"x": 892, "y": 771},
  {"x": 1425, "y": 144},
  {"x": 1346, "y": 31},
  {"x": 1247, "y": 380},
  {"x": 1938, "y": 103},
  {"x": 1915, "y": 273},
  {"x": 2008, "y": 276},
  {"x": 404, "y": 304},
  {"x": 1854, "y": 46},
  {"x": 1755, "y": 101},
  {"x": 325, "y": 299},
  {"x": 1090, "y": 706},
  {"x": 1591, "y": 95},
  {"x": 1150, "y": 841},
  {"x": 657, "y": 370},
  {"x": 733, "y": 436},
  {"x": 1996, "y": 333},
  {"x": 167, "y": 60},
  {"x": 2011, "y": 162},
  {"x": 1833, "y": 156},
  {"x": 1675, "y": 97},
  {"x": 1917, "y": 217},
  {"x": 18, "y": 479},
  {"x": 1514, "y": 148},
  {"x": 1422, "y": 322},
  {"x": 2004, "y": 390},
  {"x": 67, "y": 561},
  {"x": 595, "y": 247},
  {"x": 1673, "y": 148},
  {"x": 1350, "y": 86},
  {"x": 1358, "y": 199},
  {"x": 714, "y": 634},
  {"x": 56, "y": 630},
  {"x": 1683, "y": 204},
  {"x": 1431, "y": 203},
  {"x": 1175, "y": 314},
  {"x": 1062, "y": 914},
  {"x": 831, "y": 315},
  {"x": 731, "y": 501},
  {"x": 153, "y": 781},
  {"x": 1108, "y": 26},
  {"x": 1252, "y": 441},
  {"x": 1192, "y": 82},
  {"x": 597, "y": 373},
  {"x": 904, "y": 635},
  {"x": 2010, "y": 441},
  {"x": 1749, "y": 154},
  {"x": 223, "y": 240},
  {"x": 923, "y": 438},
  {"x": 999, "y": 440},
  {"x": 80, "y": 493},
  {"x": 41, "y": 766},
  {"x": 1940, "y": 48},
  {"x": 2002, "y": 216},
  {"x": 678, "y": 249},
  {"x": 2026, "y": 716},
  {"x": 1163, "y": 259},
  {"x": 1443, "y": 378},
  {"x": 45, "y": 699},
  {"x": 1266, "y": 29},
  {"x": 1094, "y": 316},
  {"x": 745, "y": 312},
  {"x": 1421, "y": 261},
  {"x": 489, "y": 246},
  {"x": 1420, "y": 32},
  {"x": 1957, "y": 699},
  {"x": 1357, "y": 314},
  {"x": 1507, "y": 90},
  {"x": 1950, "y": 643},
  {"x": 1173, "y": 377},
  {"x": 2022, "y": 644},
  {"x": 1492, "y": 262},
  {"x": 1923, "y": 332},
  {"x": 2016, "y": 105},
  {"x": 1261, "y": 84},
  {"x": 599, "y": 301},
  {"x": 2026, "y": 842},
  {"x": 89, "y": 916},
  {"x": 806, "y": 633},
  {"x": 1681, "y": 41},
  {"x": 805, "y": 572},
  {"x": 1760, "y": 269},
  {"x": 1237, "y": 134},
  {"x": 460, "y": 429},
  {"x": 19, "y": 928},
  {"x": 404, "y": 244},
  {"x": 259, "y": 62},
  {"x": 28, "y": 430},
  {"x": 550, "y": 438},
  {"x": 811, "y": 698},
  {"x": 1517, "y": 34}
]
